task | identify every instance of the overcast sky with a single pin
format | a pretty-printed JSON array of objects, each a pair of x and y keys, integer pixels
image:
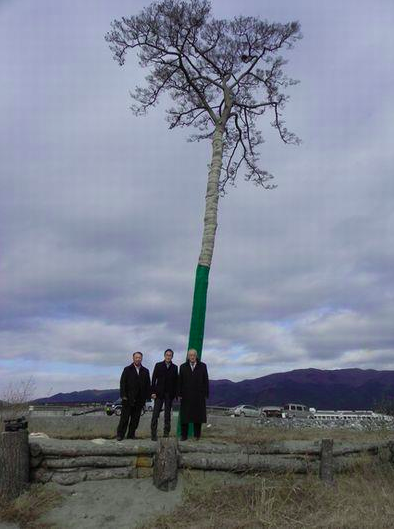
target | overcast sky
[{"x": 101, "y": 212}]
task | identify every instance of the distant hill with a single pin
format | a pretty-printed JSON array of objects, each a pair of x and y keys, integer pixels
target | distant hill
[{"x": 324, "y": 389}]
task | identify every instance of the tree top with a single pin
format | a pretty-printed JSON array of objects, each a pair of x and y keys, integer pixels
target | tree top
[{"x": 219, "y": 74}]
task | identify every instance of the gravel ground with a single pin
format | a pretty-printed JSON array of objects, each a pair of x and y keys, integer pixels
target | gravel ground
[
  {"x": 372, "y": 424},
  {"x": 110, "y": 504}
]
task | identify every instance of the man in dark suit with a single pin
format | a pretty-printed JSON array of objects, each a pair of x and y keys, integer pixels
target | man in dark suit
[
  {"x": 164, "y": 391},
  {"x": 193, "y": 391},
  {"x": 134, "y": 392}
]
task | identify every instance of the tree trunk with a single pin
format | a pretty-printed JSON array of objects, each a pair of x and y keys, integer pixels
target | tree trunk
[
  {"x": 211, "y": 200},
  {"x": 14, "y": 463},
  {"x": 197, "y": 322}
]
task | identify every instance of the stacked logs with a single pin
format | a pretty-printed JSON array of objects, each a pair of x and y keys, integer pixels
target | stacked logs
[
  {"x": 69, "y": 462},
  {"x": 280, "y": 456}
]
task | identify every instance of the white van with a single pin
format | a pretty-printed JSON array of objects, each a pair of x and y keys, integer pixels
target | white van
[{"x": 296, "y": 410}]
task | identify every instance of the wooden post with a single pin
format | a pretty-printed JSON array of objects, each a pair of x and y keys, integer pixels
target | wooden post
[
  {"x": 165, "y": 465},
  {"x": 391, "y": 448},
  {"x": 326, "y": 471},
  {"x": 14, "y": 463}
]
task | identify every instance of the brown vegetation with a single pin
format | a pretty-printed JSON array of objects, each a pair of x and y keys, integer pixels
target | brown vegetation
[
  {"x": 360, "y": 499},
  {"x": 27, "y": 508},
  {"x": 14, "y": 400}
]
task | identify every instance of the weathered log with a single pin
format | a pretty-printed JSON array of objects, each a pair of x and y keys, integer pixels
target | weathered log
[
  {"x": 35, "y": 449},
  {"x": 279, "y": 447},
  {"x": 326, "y": 469},
  {"x": 165, "y": 466},
  {"x": 41, "y": 475},
  {"x": 269, "y": 447},
  {"x": 76, "y": 448},
  {"x": 14, "y": 463},
  {"x": 144, "y": 462},
  {"x": 91, "y": 461},
  {"x": 215, "y": 448},
  {"x": 36, "y": 461},
  {"x": 70, "y": 478},
  {"x": 343, "y": 463},
  {"x": 344, "y": 447},
  {"x": 245, "y": 462}
]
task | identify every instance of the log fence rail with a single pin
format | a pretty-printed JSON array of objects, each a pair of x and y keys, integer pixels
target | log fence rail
[{"x": 71, "y": 461}]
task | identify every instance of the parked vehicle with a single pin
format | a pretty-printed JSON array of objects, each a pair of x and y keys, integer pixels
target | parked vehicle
[
  {"x": 272, "y": 411},
  {"x": 149, "y": 405},
  {"x": 115, "y": 408},
  {"x": 297, "y": 410},
  {"x": 245, "y": 410}
]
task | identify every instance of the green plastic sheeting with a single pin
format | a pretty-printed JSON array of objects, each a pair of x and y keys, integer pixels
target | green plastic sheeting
[{"x": 197, "y": 322}]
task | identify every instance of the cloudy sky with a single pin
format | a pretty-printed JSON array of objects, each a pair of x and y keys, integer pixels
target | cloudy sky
[{"x": 101, "y": 211}]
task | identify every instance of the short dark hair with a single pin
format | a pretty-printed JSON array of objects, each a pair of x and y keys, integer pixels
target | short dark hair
[
  {"x": 138, "y": 353},
  {"x": 171, "y": 351}
]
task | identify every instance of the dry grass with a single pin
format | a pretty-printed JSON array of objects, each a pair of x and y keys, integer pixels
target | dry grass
[
  {"x": 261, "y": 435},
  {"x": 361, "y": 499},
  {"x": 15, "y": 399},
  {"x": 27, "y": 508}
]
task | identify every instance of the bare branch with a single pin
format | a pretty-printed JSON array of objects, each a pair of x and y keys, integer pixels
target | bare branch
[{"x": 225, "y": 73}]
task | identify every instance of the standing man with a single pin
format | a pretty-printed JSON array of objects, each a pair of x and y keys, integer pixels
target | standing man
[
  {"x": 164, "y": 391},
  {"x": 193, "y": 390},
  {"x": 134, "y": 392}
]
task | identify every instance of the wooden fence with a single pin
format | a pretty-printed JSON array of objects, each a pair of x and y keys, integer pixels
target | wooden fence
[{"x": 71, "y": 461}]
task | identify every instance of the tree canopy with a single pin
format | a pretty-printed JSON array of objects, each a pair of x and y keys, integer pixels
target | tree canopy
[{"x": 219, "y": 74}]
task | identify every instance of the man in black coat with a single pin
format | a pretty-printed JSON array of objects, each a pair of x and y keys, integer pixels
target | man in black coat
[
  {"x": 134, "y": 392},
  {"x": 164, "y": 391},
  {"x": 193, "y": 391}
]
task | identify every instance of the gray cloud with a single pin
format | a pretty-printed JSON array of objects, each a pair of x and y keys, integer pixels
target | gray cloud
[{"x": 101, "y": 212}]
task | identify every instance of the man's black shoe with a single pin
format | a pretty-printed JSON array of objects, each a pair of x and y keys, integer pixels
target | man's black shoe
[
  {"x": 183, "y": 438},
  {"x": 153, "y": 437},
  {"x": 119, "y": 438},
  {"x": 166, "y": 434}
]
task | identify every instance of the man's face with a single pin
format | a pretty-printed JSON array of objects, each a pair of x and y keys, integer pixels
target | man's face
[
  {"x": 137, "y": 358},
  {"x": 168, "y": 356},
  {"x": 192, "y": 355}
]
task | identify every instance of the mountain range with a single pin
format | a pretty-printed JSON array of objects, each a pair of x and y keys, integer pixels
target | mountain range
[{"x": 323, "y": 389}]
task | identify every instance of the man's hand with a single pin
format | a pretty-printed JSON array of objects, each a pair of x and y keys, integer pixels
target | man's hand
[
  {"x": 124, "y": 398},
  {"x": 153, "y": 395}
]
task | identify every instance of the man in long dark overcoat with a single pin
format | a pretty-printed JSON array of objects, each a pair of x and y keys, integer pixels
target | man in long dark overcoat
[
  {"x": 193, "y": 391},
  {"x": 134, "y": 392},
  {"x": 164, "y": 391}
]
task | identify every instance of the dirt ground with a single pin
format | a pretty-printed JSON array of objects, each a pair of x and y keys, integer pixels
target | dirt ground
[{"x": 118, "y": 503}]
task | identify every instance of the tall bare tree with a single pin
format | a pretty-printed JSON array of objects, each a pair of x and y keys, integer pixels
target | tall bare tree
[{"x": 222, "y": 76}]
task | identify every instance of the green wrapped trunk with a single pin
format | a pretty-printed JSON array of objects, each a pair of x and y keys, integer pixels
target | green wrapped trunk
[{"x": 197, "y": 322}]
